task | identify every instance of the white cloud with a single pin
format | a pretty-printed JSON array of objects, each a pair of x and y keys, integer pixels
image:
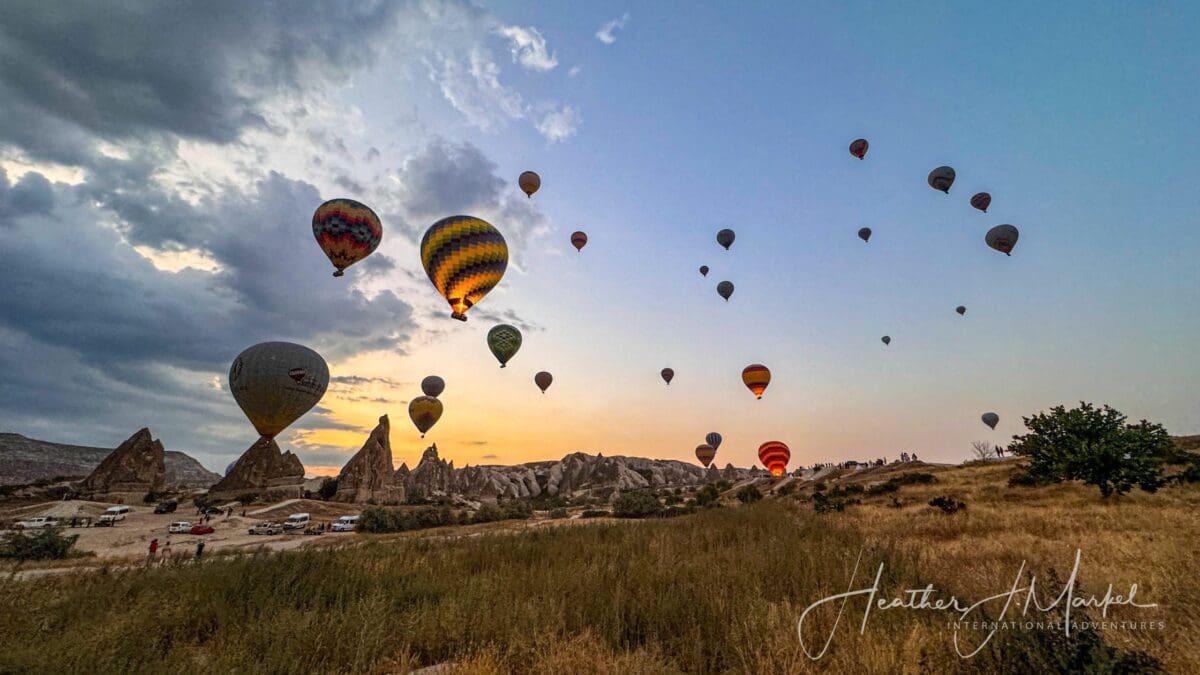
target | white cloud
[
  {"x": 474, "y": 89},
  {"x": 528, "y": 48},
  {"x": 606, "y": 32},
  {"x": 575, "y": 70},
  {"x": 559, "y": 124}
]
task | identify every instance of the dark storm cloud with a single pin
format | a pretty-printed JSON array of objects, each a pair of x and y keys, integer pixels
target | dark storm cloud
[
  {"x": 32, "y": 194},
  {"x": 199, "y": 69}
]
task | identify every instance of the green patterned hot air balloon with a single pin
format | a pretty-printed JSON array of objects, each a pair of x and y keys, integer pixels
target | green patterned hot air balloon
[{"x": 504, "y": 341}]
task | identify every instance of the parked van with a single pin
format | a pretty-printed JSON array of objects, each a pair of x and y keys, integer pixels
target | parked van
[
  {"x": 296, "y": 521},
  {"x": 345, "y": 524},
  {"x": 113, "y": 514}
]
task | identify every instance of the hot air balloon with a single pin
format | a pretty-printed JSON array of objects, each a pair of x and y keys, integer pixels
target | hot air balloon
[
  {"x": 465, "y": 257},
  {"x": 579, "y": 240},
  {"x": 347, "y": 231},
  {"x": 774, "y": 455},
  {"x": 433, "y": 386},
  {"x": 756, "y": 377},
  {"x": 858, "y": 147},
  {"x": 865, "y": 234},
  {"x": 543, "y": 380},
  {"x": 1002, "y": 238},
  {"x": 941, "y": 178},
  {"x": 667, "y": 375},
  {"x": 981, "y": 201},
  {"x": 991, "y": 419},
  {"x": 725, "y": 238},
  {"x": 961, "y": 310},
  {"x": 704, "y": 270},
  {"x": 275, "y": 383},
  {"x": 713, "y": 439},
  {"x": 887, "y": 339},
  {"x": 705, "y": 453},
  {"x": 725, "y": 289},
  {"x": 504, "y": 341},
  {"x": 529, "y": 182},
  {"x": 425, "y": 411}
]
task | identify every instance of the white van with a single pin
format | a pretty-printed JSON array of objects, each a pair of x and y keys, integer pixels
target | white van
[
  {"x": 113, "y": 514},
  {"x": 345, "y": 524},
  {"x": 296, "y": 521}
]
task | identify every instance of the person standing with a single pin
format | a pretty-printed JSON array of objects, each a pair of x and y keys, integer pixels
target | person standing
[
  {"x": 166, "y": 551},
  {"x": 199, "y": 550},
  {"x": 153, "y": 551}
]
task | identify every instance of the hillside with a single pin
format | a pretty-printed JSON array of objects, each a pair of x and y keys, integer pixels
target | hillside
[{"x": 24, "y": 460}]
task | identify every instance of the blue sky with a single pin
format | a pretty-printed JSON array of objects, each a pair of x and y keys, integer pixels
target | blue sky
[{"x": 1079, "y": 121}]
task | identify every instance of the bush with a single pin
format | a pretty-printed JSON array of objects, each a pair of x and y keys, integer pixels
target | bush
[
  {"x": 836, "y": 500},
  {"x": 637, "y": 504},
  {"x": 594, "y": 513},
  {"x": 1096, "y": 446},
  {"x": 558, "y": 514},
  {"x": 708, "y": 495},
  {"x": 895, "y": 483},
  {"x": 947, "y": 504},
  {"x": 379, "y": 520},
  {"x": 48, "y": 544},
  {"x": 328, "y": 489},
  {"x": 749, "y": 495}
]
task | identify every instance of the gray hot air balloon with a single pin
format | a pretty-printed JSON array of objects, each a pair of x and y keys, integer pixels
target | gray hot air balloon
[
  {"x": 713, "y": 439},
  {"x": 961, "y": 310},
  {"x": 704, "y": 270},
  {"x": 543, "y": 380},
  {"x": 887, "y": 339},
  {"x": 865, "y": 234},
  {"x": 991, "y": 419},
  {"x": 433, "y": 386},
  {"x": 941, "y": 178},
  {"x": 725, "y": 289},
  {"x": 277, "y": 382},
  {"x": 725, "y": 238},
  {"x": 1002, "y": 238}
]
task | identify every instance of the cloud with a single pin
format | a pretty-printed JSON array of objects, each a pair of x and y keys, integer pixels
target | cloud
[
  {"x": 575, "y": 70},
  {"x": 559, "y": 124},
  {"x": 528, "y": 48},
  {"x": 607, "y": 32},
  {"x": 31, "y": 195},
  {"x": 472, "y": 85}
]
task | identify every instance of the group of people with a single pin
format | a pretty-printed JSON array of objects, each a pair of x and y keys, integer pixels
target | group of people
[{"x": 163, "y": 553}]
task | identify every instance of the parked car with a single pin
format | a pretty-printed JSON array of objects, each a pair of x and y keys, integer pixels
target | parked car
[
  {"x": 345, "y": 524},
  {"x": 166, "y": 507},
  {"x": 179, "y": 527},
  {"x": 266, "y": 528},
  {"x": 112, "y": 515},
  {"x": 296, "y": 521},
  {"x": 211, "y": 511},
  {"x": 38, "y": 523},
  {"x": 201, "y": 529}
]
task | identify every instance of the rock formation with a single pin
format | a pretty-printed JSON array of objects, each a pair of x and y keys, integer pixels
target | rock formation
[
  {"x": 368, "y": 476},
  {"x": 136, "y": 466},
  {"x": 262, "y": 469},
  {"x": 25, "y": 460}
]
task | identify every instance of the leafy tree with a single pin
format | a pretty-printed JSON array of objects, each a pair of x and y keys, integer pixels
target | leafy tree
[
  {"x": 637, "y": 504},
  {"x": 1093, "y": 445},
  {"x": 749, "y": 495},
  {"x": 708, "y": 495},
  {"x": 328, "y": 489}
]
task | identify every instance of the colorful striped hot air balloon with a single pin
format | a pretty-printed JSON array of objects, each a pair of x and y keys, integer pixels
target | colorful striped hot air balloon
[
  {"x": 774, "y": 455},
  {"x": 705, "y": 453},
  {"x": 579, "y": 240},
  {"x": 465, "y": 257},
  {"x": 756, "y": 376},
  {"x": 347, "y": 231},
  {"x": 713, "y": 439}
]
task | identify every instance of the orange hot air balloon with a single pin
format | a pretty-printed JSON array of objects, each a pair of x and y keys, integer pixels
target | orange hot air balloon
[
  {"x": 579, "y": 240},
  {"x": 756, "y": 377},
  {"x": 705, "y": 453},
  {"x": 529, "y": 182},
  {"x": 774, "y": 455},
  {"x": 858, "y": 147}
]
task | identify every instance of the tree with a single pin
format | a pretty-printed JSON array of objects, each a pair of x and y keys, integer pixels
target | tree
[
  {"x": 749, "y": 495},
  {"x": 637, "y": 504},
  {"x": 983, "y": 449},
  {"x": 329, "y": 488},
  {"x": 1093, "y": 445}
]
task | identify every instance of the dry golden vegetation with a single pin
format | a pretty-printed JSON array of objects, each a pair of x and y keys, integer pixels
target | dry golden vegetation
[{"x": 718, "y": 591}]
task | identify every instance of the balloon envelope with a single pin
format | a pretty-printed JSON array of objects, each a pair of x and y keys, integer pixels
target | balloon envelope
[
  {"x": 887, "y": 339},
  {"x": 756, "y": 377},
  {"x": 579, "y": 240},
  {"x": 705, "y": 453},
  {"x": 774, "y": 455},
  {"x": 991, "y": 419},
  {"x": 464, "y": 257},
  {"x": 704, "y": 270},
  {"x": 981, "y": 201},
  {"x": 424, "y": 411},
  {"x": 543, "y": 380},
  {"x": 529, "y": 182},
  {"x": 433, "y": 386},
  {"x": 347, "y": 231},
  {"x": 941, "y": 178},
  {"x": 725, "y": 238},
  {"x": 961, "y": 310},
  {"x": 865, "y": 234},
  {"x": 858, "y": 147},
  {"x": 1002, "y": 238},
  {"x": 713, "y": 439},
  {"x": 725, "y": 289},
  {"x": 504, "y": 341},
  {"x": 275, "y": 383},
  {"x": 667, "y": 375}
]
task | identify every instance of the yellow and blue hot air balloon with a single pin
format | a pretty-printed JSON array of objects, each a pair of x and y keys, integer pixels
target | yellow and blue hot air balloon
[{"x": 465, "y": 257}]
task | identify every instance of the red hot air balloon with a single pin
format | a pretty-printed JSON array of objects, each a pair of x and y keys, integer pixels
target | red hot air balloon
[
  {"x": 774, "y": 455},
  {"x": 858, "y": 147},
  {"x": 981, "y": 201},
  {"x": 705, "y": 453},
  {"x": 667, "y": 375},
  {"x": 579, "y": 240}
]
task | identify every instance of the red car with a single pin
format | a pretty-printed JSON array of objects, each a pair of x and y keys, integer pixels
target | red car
[{"x": 201, "y": 529}]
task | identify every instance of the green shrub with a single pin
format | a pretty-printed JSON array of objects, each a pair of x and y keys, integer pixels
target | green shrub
[
  {"x": 378, "y": 520},
  {"x": 749, "y": 495},
  {"x": 329, "y": 488},
  {"x": 594, "y": 513},
  {"x": 636, "y": 504},
  {"x": 708, "y": 495},
  {"x": 47, "y": 544},
  {"x": 558, "y": 514},
  {"x": 947, "y": 504}
]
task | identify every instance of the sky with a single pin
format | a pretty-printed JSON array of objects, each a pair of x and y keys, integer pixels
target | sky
[{"x": 160, "y": 163}]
